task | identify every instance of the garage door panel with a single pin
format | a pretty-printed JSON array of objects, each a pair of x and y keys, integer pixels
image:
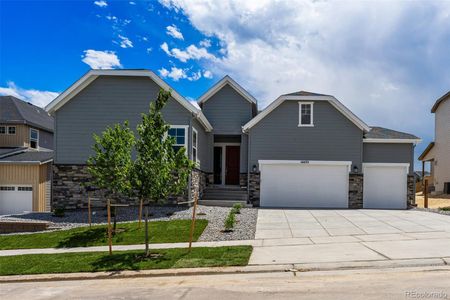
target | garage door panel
[
  {"x": 304, "y": 186},
  {"x": 15, "y": 199},
  {"x": 385, "y": 187}
]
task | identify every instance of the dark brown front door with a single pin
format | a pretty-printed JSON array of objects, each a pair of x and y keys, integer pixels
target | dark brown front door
[{"x": 232, "y": 165}]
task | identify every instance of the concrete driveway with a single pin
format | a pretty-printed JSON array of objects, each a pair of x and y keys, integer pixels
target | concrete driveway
[{"x": 290, "y": 236}]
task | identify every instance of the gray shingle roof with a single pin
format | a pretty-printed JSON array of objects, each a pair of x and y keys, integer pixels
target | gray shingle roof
[
  {"x": 29, "y": 155},
  {"x": 304, "y": 93},
  {"x": 385, "y": 133},
  {"x": 16, "y": 111},
  {"x": 6, "y": 151}
]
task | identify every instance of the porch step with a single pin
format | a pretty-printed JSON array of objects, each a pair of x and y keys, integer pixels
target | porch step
[
  {"x": 235, "y": 194},
  {"x": 224, "y": 203}
]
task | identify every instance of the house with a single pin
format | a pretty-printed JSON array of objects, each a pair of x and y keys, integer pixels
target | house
[
  {"x": 26, "y": 143},
  {"x": 303, "y": 150},
  {"x": 437, "y": 153}
]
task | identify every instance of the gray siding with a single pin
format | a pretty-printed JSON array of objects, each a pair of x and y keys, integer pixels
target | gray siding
[
  {"x": 389, "y": 153},
  {"x": 278, "y": 137},
  {"x": 45, "y": 139},
  {"x": 106, "y": 101},
  {"x": 204, "y": 147},
  {"x": 227, "y": 111}
]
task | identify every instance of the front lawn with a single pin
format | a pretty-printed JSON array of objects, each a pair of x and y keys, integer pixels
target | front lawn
[
  {"x": 124, "y": 260},
  {"x": 173, "y": 231}
]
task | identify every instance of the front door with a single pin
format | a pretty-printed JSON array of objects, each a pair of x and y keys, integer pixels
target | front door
[{"x": 232, "y": 165}]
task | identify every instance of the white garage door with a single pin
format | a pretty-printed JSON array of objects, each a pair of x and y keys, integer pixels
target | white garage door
[
  {"x": 304, "y": 184},
  {"x": 15, "y": 199},
  {"x": 385, "y": 185}
]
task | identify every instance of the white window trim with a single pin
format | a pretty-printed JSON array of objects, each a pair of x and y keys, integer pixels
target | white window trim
[
  {"x": 300, "y": 103},
  {"x": 196, "y": 160},
  {"x": 6, "y": 130},
  {"x": 186, "y": 129},
  {"x": 224, "y": 157},
  {"x": 15, "y": 130},
  {"x": 37, "y": 139}
]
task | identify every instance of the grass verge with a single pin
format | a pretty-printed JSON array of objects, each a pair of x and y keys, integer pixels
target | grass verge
[
  {"x": 173, "y": 231},
  {"x": 124, "y": 260}
]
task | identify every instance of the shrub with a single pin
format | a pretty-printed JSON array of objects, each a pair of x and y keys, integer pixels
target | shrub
[
  {"x": 59, "y": 212},
  {"x": 230, "y": 221},
  {"x": 447, "y": 208},
  {"x": 237, "y": 208}
]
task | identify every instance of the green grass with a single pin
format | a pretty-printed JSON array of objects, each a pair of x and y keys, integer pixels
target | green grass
[
  {"x": 124, "y": 260},
  {"x": 173, "y": 231}
]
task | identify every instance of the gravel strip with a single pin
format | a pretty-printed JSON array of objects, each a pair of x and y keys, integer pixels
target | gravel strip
[
  {"x": 244, "y": 229},
  {"x": 433, "y": 210}
]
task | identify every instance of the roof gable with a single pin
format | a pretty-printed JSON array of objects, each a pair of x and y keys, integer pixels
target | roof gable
[
  {"x": 223, "y": 82},
  {"x": 439, "y": 101},
  {"x": 90, "y": 76},
  {"x": 17, "y": 111},
  {"x": 289, "y": 97}
]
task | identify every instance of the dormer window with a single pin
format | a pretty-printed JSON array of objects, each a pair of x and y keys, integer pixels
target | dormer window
[
  {"x": 34, "y": 138},
  {"x": 305, "y": 114}
]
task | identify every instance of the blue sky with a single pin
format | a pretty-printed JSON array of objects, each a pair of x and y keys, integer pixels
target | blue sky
[{"x": 388, "y": 61}]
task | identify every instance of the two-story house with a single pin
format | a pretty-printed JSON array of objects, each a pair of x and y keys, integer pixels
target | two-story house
[
  {"x": 438, "y": 152},
  {"x": 26, "y": 143},
  {"x": 303, "y": 150}
]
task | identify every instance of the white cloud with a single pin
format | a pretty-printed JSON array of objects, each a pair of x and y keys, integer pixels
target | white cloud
[
  {"x": 191, "y": 52},
  {"x": 101, "y": 59},
  {"x": 132, "y": 3},
  {"x": 101, "y": 3},
  {"x": 37, "y": 97},
  {"x": 205, "y": 43},
  {"x": 207, "y": 74},
  {"x": 177, "y": 73},
  {"x": 125, "y": 42},
  {"x": 111, "y": 18},
  {"x": 149, "y": 50},
  {"x": 393, "y": 51},
  {"x": 174, "y": 73},
  {"x": 174, "y": 32}
]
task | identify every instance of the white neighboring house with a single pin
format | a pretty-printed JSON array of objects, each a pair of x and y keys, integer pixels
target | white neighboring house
[{"x": 438, "y": 152}]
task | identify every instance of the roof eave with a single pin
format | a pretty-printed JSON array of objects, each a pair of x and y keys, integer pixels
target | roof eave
[{"x": 391, "y": 141}]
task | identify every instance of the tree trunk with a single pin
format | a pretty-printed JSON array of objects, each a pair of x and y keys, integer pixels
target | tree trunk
[
  {"x": 147, "y": 252},
  {"x": 140, "y": 212}
]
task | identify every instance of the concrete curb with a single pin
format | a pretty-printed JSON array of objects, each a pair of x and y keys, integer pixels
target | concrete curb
[{"x": 295, "y": 268}]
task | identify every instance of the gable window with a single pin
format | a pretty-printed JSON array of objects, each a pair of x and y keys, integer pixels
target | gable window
[
  {"x": 34, "y": 138},
  {"x": 194, "y": 145},
  {"x": 11, "y": 129},
  {"x": 305, "y": 114},
  {"x": 2, "y": 129},
  {"x": 179, "y": 133}
]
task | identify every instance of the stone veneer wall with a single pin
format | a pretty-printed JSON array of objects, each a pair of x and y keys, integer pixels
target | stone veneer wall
[
  {"x": 411, "y": 190},
  {"x": 254, "y": 188},
  {"x": 355, "y": 190},
  {"x": 70, "y": 188}
]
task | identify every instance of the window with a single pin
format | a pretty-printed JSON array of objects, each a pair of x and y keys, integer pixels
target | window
[
  {"x": 305, "y": 114},
  {"x": 24, "y": 188},
  {"x": 194, "y": 145},
  {"x": 34, "y": 138},
  {"x": 7, "y": 188},
  {"x": 179, "y": 132},
  {"x": 11, "y": 129},
  {"x": 2, "y": 129}
]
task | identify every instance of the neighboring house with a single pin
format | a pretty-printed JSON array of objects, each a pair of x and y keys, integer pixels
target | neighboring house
[
  {"x": 26, "y": 143},
  {"x": 438, "y": 152},
  {"x": 303, "y": 150}
]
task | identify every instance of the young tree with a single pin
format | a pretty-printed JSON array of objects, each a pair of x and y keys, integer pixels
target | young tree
[
  {"x": 159, "y": 171},
  {"x": 111, "y": 165}
]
